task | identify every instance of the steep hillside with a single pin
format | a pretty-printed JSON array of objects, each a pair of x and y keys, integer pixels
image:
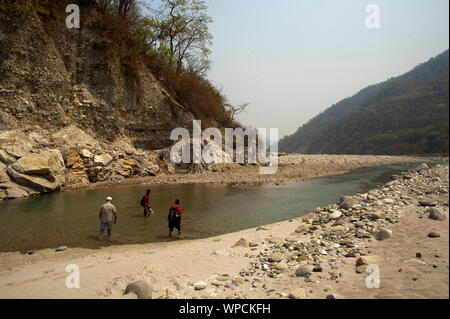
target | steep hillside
[
  {"x": 53, "y": 77},
  {"x": 408, "y": 114},
  {"x": 86, "y": 105}
]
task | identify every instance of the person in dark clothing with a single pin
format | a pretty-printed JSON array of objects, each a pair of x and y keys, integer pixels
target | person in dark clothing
[
  {"x": 174, "y": 218},
  {"x": 146, "y": 203}
]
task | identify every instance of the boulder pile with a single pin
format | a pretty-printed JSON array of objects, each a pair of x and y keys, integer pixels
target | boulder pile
[{"x": 32, "y": 165}]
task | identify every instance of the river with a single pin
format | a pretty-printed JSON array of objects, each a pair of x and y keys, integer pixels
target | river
[{"x": 71, "y": 217}]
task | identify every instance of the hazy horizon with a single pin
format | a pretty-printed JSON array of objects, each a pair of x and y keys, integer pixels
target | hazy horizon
[{"x": 293, "y": 59}]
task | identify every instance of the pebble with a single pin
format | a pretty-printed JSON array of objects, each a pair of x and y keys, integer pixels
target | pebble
[
  {"x": 378, "y": 215},
  {"x": 241, "y": 243},
  {"x": 437, "y": 213},
  {"x": 298, "y": 293},
  {"x": 344, "y": 229},
  {"x": 360, "y": 269},
  {"x": 368, "y": 260},
  {"x": 140, "y": 288},
  {"x": 276, "y": 257},
  {"x": 302, "y": 271},
  {"x": 281, "y": 266},
  {"x": 317, "y": 268},
  {"x": 200, "y": 285},
  {"x": 430, "y": 203},
  {"x": 414, "y": 261},
  {"x": 383, "y": 234},
  {"x": 335, "y": 215},
  {"x": 433, "y": 234}
]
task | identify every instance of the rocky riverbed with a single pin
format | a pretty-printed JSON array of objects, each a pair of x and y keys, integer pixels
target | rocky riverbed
[{"x": 401, "y": 228}]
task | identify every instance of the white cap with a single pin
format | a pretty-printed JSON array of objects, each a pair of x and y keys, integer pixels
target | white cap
[{"x": 109, "y": 198}]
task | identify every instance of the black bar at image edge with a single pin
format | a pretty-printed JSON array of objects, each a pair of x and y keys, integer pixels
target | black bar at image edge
[{"x": 213, "y": 308}]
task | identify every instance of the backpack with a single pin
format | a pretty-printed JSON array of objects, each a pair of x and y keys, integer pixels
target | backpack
[
  {"x": 143, "y": 201},
  {"x": 173, "y": 213}
]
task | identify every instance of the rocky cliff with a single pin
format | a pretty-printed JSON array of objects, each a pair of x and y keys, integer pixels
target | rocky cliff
[{"x": 71, "y": 108}]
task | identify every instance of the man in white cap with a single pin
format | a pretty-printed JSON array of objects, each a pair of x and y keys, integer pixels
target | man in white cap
[{"x": 107, "y": 211}]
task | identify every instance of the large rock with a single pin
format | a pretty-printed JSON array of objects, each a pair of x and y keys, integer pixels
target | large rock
[
  {"x": 86, "y": 153},
  {"x": 140, "y": 288},
  {"x": 74, "y": 137},
  {"x": 437, "y": 213},
  {"x": 7, "y": 185},
  {"x": 103, "y": 159},
  {"x": 37, "y": 183},
  {"x": 12, "y": 193},
  {"x": 44, "y": 163},
  {"x": 6, "y": 158},
  {"x": 74, "y": 160},
  {"x": 4, "y": 177},
  {"x": 149, "y": 169},
  {"x": 17, "y": 150}
]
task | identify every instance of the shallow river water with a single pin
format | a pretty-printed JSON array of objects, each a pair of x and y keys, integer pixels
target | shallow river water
[{"x": 71, "y": 217}]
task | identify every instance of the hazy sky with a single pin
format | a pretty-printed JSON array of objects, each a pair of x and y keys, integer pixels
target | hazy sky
[{"x": 292, "y": 59}]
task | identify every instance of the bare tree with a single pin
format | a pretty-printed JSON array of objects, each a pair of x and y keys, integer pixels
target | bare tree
[{"x": 233, "y": 110}]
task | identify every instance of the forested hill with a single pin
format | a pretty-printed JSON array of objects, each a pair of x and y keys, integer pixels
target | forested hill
[{"x": 408, "y": 114}]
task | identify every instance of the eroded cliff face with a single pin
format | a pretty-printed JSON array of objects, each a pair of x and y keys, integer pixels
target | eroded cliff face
[
  {"x": 54, "y": 77},
  {"x": 62, "y": 93}
]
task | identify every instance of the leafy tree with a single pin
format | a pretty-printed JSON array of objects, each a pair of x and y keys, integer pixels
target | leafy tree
[{"x": 178, "y": 29}]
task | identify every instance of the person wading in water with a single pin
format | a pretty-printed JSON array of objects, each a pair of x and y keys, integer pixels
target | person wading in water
[
  {"x": 145, "y": 202},
  {"x": 174, "y": 218},
  {"x": 107, "y": 212}
]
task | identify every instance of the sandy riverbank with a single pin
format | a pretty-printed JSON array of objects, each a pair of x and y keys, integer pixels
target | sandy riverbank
[{"x": 312, "y": 257}]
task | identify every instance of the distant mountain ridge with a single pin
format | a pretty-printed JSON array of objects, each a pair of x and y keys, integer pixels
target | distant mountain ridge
[{"x": 408, "y": 114}]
